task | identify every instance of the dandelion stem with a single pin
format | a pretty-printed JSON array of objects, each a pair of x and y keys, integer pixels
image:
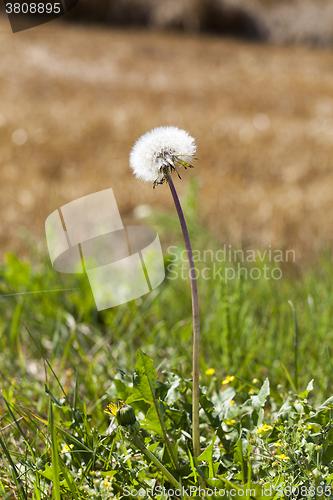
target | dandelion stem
[
  {"x": 155, "y": 460},
  {"x": 196, "y": 321}
]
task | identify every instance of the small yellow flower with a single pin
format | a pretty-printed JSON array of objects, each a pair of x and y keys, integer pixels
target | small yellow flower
[
  {"x": 251, "y": 391},
  {"x": 210, "y": 371},
  {"x": 231, "y": 422},
  {"x": 282, "y": 456},
  {"x": 309, "y": 427},
  {"x": 232, "y": 402},
  {"x": 92, "y": 472},
  {"x": 255, "y": 380},
  {"x": 318, "y": 447},
  {"x": 66, "y": 448},
  {"x": 112, "y": 408},
  {"x": 278, "y": 443},
  {"x": 264, "y": 428},
  {"x": 228, "y": 379},
  {"x": 329, "y": 407}
]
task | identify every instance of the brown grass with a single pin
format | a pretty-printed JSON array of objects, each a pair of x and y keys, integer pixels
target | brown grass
[{"x": 262, "y": 117}]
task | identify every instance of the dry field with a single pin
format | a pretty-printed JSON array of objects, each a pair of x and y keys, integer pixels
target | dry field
[{"x": 74, "y": 99}]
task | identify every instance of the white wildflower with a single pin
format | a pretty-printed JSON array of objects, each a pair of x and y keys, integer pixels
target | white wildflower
[{"x": 159, "y": 151}]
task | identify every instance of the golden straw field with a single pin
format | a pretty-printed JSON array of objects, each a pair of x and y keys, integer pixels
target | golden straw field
[{"x": 73, "y": 100}]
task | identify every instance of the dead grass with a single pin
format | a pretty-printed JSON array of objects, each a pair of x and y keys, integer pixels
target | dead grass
[{"x": 262, "y": 116}]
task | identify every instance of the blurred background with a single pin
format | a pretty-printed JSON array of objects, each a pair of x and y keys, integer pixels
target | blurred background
[{"x": 251, "y": 80}]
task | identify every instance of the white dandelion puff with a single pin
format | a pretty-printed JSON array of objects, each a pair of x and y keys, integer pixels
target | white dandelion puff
[{"x": 161, "y": 150}]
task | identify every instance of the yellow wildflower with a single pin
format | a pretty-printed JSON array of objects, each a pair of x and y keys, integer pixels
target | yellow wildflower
[
  {"x": 251, "y": 391},
  {"x": 255, "y": 380},
  {"x": 264, "y": 428},
  {"x": 278, "y": 443},
  {"x": 228, "y": 379},
  {"x": 112, "y": 408},
  {"x": 232, "y": 402},
  {"x": 231, "y": 422},
  {"x": 66, "y": 448},
  {"x": 282, "y": 456},
  {"x": 210, "y": 371}
]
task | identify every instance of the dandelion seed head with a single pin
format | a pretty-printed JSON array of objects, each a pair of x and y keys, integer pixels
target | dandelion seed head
[{"x": 162, "y": 149}]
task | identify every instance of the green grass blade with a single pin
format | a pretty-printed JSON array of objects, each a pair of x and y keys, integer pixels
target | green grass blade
[
  {"x": 15, "y": 473},
  {"x": 54, "y": 455}
]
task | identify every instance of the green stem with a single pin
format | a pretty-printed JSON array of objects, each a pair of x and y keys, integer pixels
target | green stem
[
  {"x": 196, "y": 321},
  {"x": 155, "y": 460},
  {"x": 295, "y": 344}
]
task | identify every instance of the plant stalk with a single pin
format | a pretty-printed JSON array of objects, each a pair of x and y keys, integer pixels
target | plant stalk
[
  {"x": 196, "y": 321},
  {"x": 155, "y": 460},
  {"x": 295, "y": 344}
]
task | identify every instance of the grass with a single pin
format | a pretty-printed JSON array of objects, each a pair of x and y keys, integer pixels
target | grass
[{"x": 62, "y": 362}]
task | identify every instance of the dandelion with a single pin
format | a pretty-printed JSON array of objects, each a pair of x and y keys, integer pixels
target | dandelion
[
  {"x": 228, "y": 379},
  {"x": 210, "y": 371},
  {"x": 160, "y": 152},
  {"x": 124, "y": 414},
  {"x": 153, "y": 158},
  {"x": 111, "y": 409}
]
